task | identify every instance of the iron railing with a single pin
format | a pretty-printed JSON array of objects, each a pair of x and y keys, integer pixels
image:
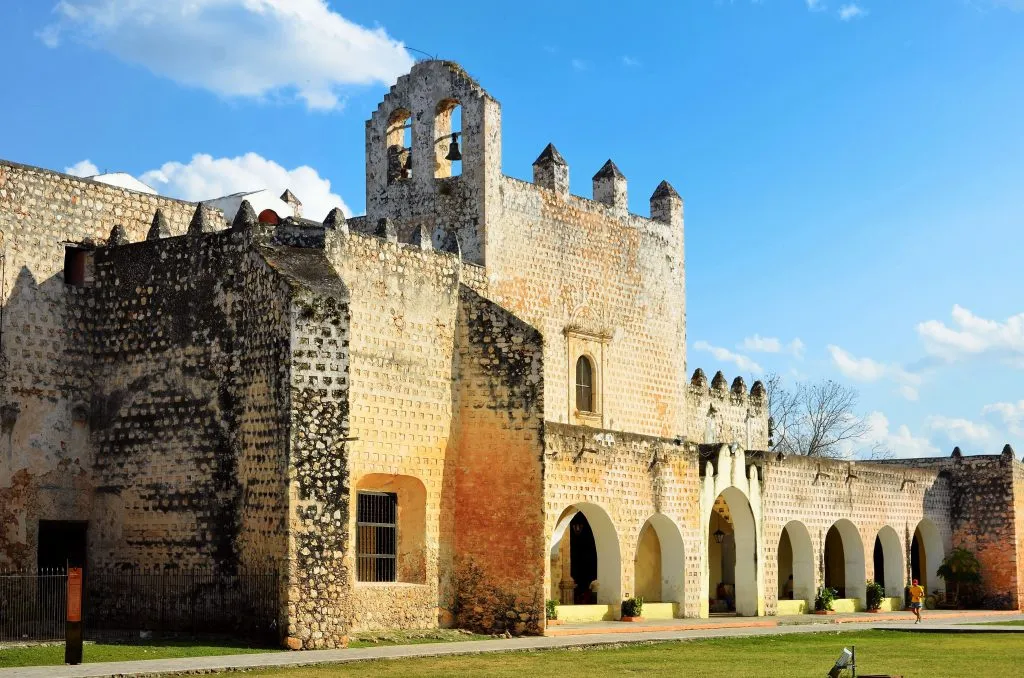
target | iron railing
[
  {"x": 128, "y": 603},
  {"x": 33, "y": 605}
]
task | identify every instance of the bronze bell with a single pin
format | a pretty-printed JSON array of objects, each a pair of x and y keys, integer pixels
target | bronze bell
[{"x": 453, "y": 148}]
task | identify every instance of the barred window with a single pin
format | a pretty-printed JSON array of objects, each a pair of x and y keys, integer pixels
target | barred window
[
  {"x": 584, "y": 385},
  {"x": 376, "y": 536}
]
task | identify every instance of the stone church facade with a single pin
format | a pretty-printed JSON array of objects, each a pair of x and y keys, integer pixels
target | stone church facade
[{"x": 468, "y": 401}]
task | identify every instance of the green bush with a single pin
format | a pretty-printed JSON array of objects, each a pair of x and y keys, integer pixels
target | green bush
[
  {"x": 823, "y": 600},
  {"x": 551, "y": 608},
  {"x": 632, "y": 607},
  {"x": 876, "y": 594}
]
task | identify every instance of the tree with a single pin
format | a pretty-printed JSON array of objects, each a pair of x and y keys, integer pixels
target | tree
[
  {"x": 815, "y": 419},
  {"x": 960, "y": 567}
]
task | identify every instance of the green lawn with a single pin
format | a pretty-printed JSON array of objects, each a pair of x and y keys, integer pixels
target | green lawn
[
  {"x": 48, "y": 655},
  {"x": 908, "y": 654}
]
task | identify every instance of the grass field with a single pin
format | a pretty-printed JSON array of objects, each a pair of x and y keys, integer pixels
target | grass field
[
  {"x": 1015, "y": 622},
  {"x": 49, "y": 655},
  {"x": 898, "y": 653}
]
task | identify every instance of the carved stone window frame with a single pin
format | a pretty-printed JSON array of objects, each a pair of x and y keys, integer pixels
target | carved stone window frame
[{"x": 593, "y": 345}]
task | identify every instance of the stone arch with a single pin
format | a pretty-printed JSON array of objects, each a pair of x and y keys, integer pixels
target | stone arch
[
  {"x": 605, "y": 547},
  {"x": 737, "y": 550},
  {"x": 447, "y": 130},
  {"x": 659, "y": 566},
  {"x": 843, "y": 560},
  {"x": 399, "y": 145},
  {"x": 926, "y": 554},
  {"x": 799, "y": 563},
  {"x": 888, "y": 561}
]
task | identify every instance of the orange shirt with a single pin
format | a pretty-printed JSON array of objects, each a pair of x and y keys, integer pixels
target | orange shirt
[{"x": 916, "y": 594}]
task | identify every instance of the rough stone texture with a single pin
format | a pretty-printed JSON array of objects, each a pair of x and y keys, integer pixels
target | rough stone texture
[{"x": 220, "y": 397}]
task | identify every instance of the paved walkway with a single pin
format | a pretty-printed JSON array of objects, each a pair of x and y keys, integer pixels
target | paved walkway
[{"x": 709, "y": 629}]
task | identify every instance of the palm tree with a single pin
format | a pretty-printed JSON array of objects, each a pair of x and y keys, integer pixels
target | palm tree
[{"x": 960, "y": 567}]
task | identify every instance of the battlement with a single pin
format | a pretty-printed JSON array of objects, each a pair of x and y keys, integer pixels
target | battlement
[{"x": 722, "y": 413}]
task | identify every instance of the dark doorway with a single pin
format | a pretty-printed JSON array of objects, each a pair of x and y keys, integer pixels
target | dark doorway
[
  {"x": 61, "y": 543},
  {"x": 582, "y": 559},
  {"x": 879, "y": 563}
]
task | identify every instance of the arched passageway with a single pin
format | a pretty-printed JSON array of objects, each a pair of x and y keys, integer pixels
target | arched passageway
[
  {"x": 586, "y": 565},
  {"x": 659, "y": 563},
  {"x": 732, "y": 548},
  {"x": 926, "y": 554},
  {"x": 796, "y": 563},
  {"x": 844, "y": 561},
  {"x": 888, "y": 561}
]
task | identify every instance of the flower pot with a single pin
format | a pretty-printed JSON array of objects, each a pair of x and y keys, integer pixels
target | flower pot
[{"x": 632, "y": 619}]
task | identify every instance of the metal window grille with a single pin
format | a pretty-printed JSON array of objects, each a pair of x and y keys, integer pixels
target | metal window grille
[
  {"x": 376, "y": 536},
  {"x": 584, "y": 385}
]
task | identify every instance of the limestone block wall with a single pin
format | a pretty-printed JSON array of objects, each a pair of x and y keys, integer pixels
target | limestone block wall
[
  {"x": 189, "y": 342},
  {"x": 44, "y": 386},
  {"x": 984, "y": 521},
  {"x": 720, "y": 413},
  {"x": 819, "y": 493},
  {"x": 596, "y": 281},
  {"x": 319, "y": 604},
  {"x": 499, "y": 508},
  {"x": 1018, "y": 511},
  {"x": 403, "y": 312},
  {"x": 620, "y": 481}
]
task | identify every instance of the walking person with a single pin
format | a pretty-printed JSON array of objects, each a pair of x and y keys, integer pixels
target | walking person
[{"x": 916, "y": 597}]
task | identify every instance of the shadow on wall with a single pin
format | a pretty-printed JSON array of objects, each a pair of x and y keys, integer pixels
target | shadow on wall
[{"x": 44, "y": 451}]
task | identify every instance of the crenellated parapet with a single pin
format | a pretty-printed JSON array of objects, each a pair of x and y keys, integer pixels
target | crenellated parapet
[{"x": 720, "y": 412}]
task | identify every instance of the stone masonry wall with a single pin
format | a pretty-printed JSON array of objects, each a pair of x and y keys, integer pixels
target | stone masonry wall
[
  {"x": 44, "y": 386},
  {"x": 190, "y": 341},
  {"x": 720, "y": 413},
  {"x": 819, "y": 492},
  {"x": 499, "y": 509},
  {"x": 982, "y": 513},
  {"x": 598, "y": 282},
  {"x": 629, "y": 478},
  {"x": 403, "y": 311},
  {"x": 1018, "y": 512}
]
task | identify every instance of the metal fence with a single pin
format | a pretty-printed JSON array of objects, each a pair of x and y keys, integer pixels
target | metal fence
[
  {"x": 32, "y": 605},
  {"x": 131, "y": 603}
]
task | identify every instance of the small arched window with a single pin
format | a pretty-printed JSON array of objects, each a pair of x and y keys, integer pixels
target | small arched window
[
  {"x": 584, "y": 384},
  {"x": 399, "y": 141}
]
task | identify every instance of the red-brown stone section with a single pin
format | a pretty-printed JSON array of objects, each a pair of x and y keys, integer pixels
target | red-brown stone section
[{"x": 499, "y": 509}]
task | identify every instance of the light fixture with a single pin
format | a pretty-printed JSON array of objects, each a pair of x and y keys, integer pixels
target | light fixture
[
  {"x": 719, "y": 536},
  {"x": 453, "y": 149},
  {"x": 846, "y": 660},
  {"x": 577, "y": 528}
]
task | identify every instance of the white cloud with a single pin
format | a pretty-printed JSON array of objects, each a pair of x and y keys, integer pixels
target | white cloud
[
  {"x": 578, "y": 64},
  {"x": 972, "y": 335},
  {"x": 868, "y": 370},
  {"x": 82, "y": 168},
  {"x": 851, "y": 11},
  {"x": 959, "y": 430},
  {"x": 246, "y": 48},
  {"x": 630, "y": 61},
  {"x": 815, "y": 5},
  {"x": 901, "y": 441},
  {"x": 1012, "y": 415},
  {"x": 725, "y": 355},
  {"x": 206, "y": 177},
  {"x": 759, "y": 344}
]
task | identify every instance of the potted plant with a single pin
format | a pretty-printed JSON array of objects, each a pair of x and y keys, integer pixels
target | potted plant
[
  {"x": 632, "y": 609},
  {"x": 823, "y": 600},
  {"x": 960, "y": 567},
  {"x": 876, "y": 594},
  {"x": 551, "y": 612}
]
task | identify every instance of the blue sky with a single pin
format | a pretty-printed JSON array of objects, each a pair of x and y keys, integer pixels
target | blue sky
[{"x": 853, "y": 171}]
